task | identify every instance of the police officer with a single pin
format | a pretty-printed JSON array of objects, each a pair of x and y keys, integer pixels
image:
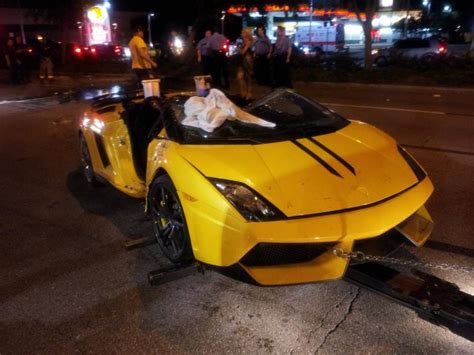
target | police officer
[
  {"x": 11, "y": 59},
  {"x": 262, "y": 54},
  {"x": 281, "y": 59},
  {"x": 219, "y": 72},
  {"x": 204, "y": 53},
  {"x": 46, "y": 63}
]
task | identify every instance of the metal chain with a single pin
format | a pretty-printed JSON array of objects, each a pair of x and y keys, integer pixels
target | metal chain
[{"x": 361, "y": 256}]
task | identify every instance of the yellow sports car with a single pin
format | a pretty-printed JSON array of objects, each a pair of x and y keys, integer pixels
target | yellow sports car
[{"x": 269, "y": 203}]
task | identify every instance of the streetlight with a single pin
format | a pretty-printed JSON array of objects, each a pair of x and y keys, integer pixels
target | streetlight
[
  {"x": 79, "y": 27},
  {"x": 150, "y": 15},
  {"x": 447, "y": 9},
  {"x": 222, "y": 22},
  {"x": 427, "y": 4}
]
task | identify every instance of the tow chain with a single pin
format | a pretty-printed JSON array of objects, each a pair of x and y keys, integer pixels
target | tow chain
[{"x": 361, "y": 256}]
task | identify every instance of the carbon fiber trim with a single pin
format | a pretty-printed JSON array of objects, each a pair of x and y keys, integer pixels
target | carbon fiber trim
[{"x": 268, "y": 254}]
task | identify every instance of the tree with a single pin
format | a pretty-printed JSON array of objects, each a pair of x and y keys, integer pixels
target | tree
[{"x": 365, "y": 11}]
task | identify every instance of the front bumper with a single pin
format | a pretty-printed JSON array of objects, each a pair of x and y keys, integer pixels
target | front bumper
[{"x": 223, "y": 241}]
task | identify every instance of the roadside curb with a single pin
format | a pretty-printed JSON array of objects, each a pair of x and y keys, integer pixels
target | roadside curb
[{"x": 385, "y": 86}]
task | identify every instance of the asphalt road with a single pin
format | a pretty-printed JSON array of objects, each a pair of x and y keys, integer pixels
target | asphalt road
[{"x": 67, "y": 285}]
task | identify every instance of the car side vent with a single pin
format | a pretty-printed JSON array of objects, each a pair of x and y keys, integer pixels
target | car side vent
[
  {"x": 106, "y": 109},
  {"x": 100, "y": 147},
  {"x": 268, "y": 254}
]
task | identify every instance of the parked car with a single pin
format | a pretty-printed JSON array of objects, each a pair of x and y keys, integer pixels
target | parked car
[
  {"x": 98, "y": 52},
  {"x": 424, "y": 49}
]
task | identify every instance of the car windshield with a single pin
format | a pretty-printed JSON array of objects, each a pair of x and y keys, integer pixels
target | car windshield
[{"x": 295, "y": 117}]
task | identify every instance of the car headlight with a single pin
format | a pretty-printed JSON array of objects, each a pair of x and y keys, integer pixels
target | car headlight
[
  {"x": 249, "y": 203},
  {"x": 417, "y": 169}
]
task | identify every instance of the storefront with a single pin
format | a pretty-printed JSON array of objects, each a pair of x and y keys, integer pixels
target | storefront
[{"x": 325, "y": 27}]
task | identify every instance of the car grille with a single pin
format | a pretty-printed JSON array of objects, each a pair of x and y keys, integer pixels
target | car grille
[
  {"x": 383, "y": 245},
  {"x": 268, "y": 254}
]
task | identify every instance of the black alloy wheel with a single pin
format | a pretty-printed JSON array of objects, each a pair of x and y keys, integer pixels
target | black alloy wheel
[
  {"x": 169, "y": 223},
  {"x": 86, "y": 162}
]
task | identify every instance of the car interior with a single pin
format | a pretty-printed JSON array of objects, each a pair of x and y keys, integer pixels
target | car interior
[{"x": 144, "y": 120}]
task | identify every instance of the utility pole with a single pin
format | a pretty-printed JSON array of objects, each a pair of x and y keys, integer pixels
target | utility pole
[
  {"x": 405, "y": 30},
  {"x": 150, "y": 42},
  {"x": 223, "y": 13},
  {"x": 310, "y": 20},
  {"x": 22, "y": 26}
]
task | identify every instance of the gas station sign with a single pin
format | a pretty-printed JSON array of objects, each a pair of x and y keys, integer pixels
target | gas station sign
[{"x": 98, "y": 25}]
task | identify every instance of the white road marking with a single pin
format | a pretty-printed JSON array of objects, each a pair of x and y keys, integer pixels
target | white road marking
[{"x": 384, "y": 108}]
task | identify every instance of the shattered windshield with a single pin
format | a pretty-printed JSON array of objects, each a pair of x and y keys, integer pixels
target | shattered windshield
[{"x": 295, "y": 117}]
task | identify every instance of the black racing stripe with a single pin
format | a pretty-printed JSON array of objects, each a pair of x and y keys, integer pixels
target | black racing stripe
[
  {"x": 334, "y": 155},
  {"x": 315, "y": 157}
]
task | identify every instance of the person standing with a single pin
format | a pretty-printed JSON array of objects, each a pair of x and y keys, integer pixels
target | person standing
[
  {"x": 204, "y": 53},
  {"x": 281, "y": 59},
  {"x": 262, "y": 54},
  {"x": 141, "y": 61},
  {"x": 245, "y": 68},
  {"x": 219, "y": 72},
  {"x": 12, "y": 61},
  {"x": 23, "y": 60},
  {"x": 46, "y": 64}
]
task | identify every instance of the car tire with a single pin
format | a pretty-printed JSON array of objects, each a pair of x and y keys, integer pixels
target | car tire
[
  {"x": 86, "y": 163},
  {"x": 169, "y": 222}
]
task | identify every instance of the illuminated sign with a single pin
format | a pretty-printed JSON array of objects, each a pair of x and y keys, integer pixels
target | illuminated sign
[
  {"x": 239, "y": 9},
  {"x": 97, "y": 14},
  {"x": 98, "y": 25},
  {"x": 386, "y": 3}
]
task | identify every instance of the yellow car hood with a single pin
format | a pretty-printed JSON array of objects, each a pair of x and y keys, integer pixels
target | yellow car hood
[{"x": 356, "y": 166}]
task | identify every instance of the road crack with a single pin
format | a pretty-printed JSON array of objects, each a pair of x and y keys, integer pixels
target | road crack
[
  {"x": 322, "y": 321},
  {"x": 348, "y": 312}
]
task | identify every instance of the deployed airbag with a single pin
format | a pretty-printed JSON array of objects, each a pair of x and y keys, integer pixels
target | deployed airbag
[{"x": 212, "y": 111}]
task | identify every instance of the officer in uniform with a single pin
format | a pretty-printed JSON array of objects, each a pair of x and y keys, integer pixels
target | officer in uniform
[
  {"x": 219, "y": 72},
  {"x": 281, "y": 59},
  {"x": 262, "y": 54},
  {"x": 204, "y": 53}
]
